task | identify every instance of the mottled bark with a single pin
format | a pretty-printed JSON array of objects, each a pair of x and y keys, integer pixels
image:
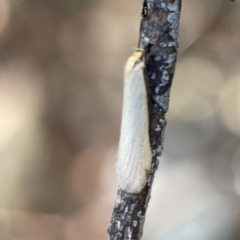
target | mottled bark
[{"x": 159, "y": 38}]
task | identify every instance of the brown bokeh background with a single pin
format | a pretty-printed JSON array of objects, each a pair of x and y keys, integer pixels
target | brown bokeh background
[{"x": 61, "y": 70}]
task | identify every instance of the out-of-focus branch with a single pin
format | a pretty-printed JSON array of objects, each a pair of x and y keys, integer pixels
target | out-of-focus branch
[{"x": 159, "y": 38}]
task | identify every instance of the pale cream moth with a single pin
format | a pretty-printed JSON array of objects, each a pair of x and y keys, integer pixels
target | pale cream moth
[{"x": 134, "y": 153}]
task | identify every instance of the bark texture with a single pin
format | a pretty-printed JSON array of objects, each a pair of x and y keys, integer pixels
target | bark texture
[{"x": 159, "y": 38}]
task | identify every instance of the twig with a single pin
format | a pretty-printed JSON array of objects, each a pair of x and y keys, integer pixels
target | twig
[{"x": 159, "y": 38}]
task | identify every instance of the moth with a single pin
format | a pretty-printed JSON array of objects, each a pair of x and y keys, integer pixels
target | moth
[{"x": 134, "y": 155}]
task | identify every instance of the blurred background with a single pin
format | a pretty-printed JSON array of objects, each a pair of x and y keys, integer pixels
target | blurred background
[{"x": 61, "y": 80}]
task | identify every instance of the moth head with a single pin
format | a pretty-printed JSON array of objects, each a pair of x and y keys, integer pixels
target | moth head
[{"x": 134, "y": 61}]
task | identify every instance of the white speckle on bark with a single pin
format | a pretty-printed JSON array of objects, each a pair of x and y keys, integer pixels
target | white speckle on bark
[
  {"x": 173, "y": 7},
  {"x": 163, "y": 100},
  {"x": 153, "y": 77},
  {"x": 159, "y": 149},
  {"x": 163, "y": 44},
  {"x": 118, "y": 224},
  {"x": 129, "y": 233},
  {"x": 146, "y": 40},
  {"x": 163, "y": 5},
  {"x": 139, "y": 214},
  {"x": 135, "y": 223},
  {"x": 174, "y": 34},
  {"x": 154, "y": 152},
  {"x": 163, "y": 122},
  {"x": 172, "y": 18},
  {"x": 157, "y": 129},
  {"x": 165, "y": 78}
]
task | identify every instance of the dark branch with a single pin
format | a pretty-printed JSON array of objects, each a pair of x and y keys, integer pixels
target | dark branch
[{"x": 159, "y": 38}]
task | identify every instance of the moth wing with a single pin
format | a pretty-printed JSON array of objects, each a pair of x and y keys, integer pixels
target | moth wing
[{"x": 134, "y": 153}]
